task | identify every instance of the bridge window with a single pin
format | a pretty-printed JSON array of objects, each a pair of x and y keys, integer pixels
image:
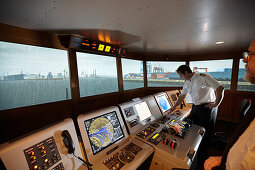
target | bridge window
[
  {"x": 220, "y": 70},
  {"x": 31, "y": 75},
  {"x": 132, "y": 74},
  {"x": 97, "y": 74},
  {"x": 163, "y": 74},
  {"x": 243, "y": 85}
]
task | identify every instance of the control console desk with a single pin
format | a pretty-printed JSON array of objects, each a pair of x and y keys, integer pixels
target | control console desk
[
  {"x": 44, "y": 149},
  {"x": 107, "y": 143},
  {"x": 172, "y": 150}
]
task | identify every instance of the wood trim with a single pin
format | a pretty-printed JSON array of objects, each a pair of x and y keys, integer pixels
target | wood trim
[
  {"x": 134, "y": 56},
  {"x": 74, "y": 80},
  {"x": 215, "y": 56},
  {"x": 19, "y": 35},
  {"x": 234, "y": 77},
  {"x": 145, "y": 78},
  {"x": 119, "y": 74}
]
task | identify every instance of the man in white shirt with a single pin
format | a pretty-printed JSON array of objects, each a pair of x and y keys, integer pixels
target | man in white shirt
[
  {"x": 206, "y": 94},
  {"x": 240, "y": 151}
]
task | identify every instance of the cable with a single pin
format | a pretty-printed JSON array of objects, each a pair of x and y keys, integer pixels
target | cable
[{"x": 87, "y": 164}]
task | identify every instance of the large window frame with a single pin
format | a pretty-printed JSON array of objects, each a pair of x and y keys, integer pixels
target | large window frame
[
  {"x": 107, "y": 57},
  {"x": 133, "y": 77},
  {"x": 160, "y": 77},
  {"x": 233, "y": 85},
  {"x": 39, "y": 67}
]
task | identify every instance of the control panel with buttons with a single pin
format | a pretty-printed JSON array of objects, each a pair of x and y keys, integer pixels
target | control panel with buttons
[
  {"x": 146, "y": 132},
  {"x": 118, "y": 160},
  {"x": 42, "y": 155}
]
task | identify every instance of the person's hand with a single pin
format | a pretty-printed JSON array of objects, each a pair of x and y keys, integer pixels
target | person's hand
[
  {"x": 172, "y": 109},
  {"x": 210, "y": 105},
  {"x": 212, "y": 161}
]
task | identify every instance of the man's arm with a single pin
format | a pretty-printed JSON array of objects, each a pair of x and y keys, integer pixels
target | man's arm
[
  {"x": 179, "y": 100},
  {"x": 219, "y": 93},
  {"x": 212, "y": 161}
]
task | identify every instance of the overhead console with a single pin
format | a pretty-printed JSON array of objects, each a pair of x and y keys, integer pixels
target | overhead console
[
  {"x": 89, "y": 45},
  {"x": 46, "y": 149},
  {"x": 107, "y": 143}
]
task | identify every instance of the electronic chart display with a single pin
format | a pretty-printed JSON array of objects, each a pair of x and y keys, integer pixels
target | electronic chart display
[
  {"x": 163, "y": 102},
  {"x": 143, "y": 111},
  {"x": 103, "y": 131}
]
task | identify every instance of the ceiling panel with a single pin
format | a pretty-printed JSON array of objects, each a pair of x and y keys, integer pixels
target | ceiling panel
[{"x": 170, "y": 27}]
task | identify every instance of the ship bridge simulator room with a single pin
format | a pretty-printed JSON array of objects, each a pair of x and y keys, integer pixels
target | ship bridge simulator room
[{"x": 92, "y": 84}]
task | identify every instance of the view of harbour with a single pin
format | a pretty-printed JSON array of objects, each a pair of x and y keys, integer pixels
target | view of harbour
[{"x": 20, "y": 93}]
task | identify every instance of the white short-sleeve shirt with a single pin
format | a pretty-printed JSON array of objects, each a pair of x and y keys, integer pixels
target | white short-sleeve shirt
[
  {"x": 201, "y": 88},
  {"x": 242, "y": 154}
]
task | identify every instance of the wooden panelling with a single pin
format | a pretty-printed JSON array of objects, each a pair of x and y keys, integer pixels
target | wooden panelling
[
  {"x": 24, "y": 36},
  {"x": 119, "y": 73},
  {"x": 234, "y": 77},
  {"x": 19, "y": 121},
  {"x": 215, "y": 56},
  {"x": 90, "y": 103}
]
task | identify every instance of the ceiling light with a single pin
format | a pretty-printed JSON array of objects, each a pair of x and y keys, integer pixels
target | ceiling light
[
  {"x": 219, "y": 42},
  {"x": 205, "y": 27}
]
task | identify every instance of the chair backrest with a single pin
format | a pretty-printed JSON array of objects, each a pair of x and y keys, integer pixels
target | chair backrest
[{"x": 244, "y": 107}]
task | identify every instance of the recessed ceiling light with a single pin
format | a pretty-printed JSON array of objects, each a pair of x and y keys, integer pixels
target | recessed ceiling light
[
  {"x": 205, "y": 27},
  {"x": 219, "y": 42}
]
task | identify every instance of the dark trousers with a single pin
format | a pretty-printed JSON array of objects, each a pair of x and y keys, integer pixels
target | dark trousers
[{"x": 205, "y": 117}]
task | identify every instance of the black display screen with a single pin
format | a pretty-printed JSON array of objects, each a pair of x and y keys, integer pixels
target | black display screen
[{"x": 103, "y": 131}]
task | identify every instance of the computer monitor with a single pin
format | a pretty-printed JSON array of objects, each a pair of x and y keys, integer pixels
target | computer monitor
[
  {"x": 103, "y": 131},
  {"x": 143, "y": 111},
  {"x": 163, "y": 102}
]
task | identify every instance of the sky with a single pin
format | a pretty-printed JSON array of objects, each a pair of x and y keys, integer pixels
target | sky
[
  {"x": 15, "y": 58},
  {"x": 212, "y": 65}
]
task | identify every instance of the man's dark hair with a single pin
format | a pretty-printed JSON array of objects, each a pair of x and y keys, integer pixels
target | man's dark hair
[{"x": 184, "y": 68}]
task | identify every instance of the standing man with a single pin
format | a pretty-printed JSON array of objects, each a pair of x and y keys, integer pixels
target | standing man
[
  {"x": 240, "y": 151},
  {"x": 206, "y": 94}
]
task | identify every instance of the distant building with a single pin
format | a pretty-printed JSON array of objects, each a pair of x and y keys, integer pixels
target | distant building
[
  {"x": 49, "y": 76},
  {"x": 14, "y": 77},
  {"x": 59, "y": 75}
]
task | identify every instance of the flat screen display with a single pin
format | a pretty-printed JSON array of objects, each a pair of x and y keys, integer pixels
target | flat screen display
[
  {"x": 143, "y": 111},
  {"x": 103, "y": 131},
  {"x": 129, "y": 111},
  {"x": 163, "y": 102}
]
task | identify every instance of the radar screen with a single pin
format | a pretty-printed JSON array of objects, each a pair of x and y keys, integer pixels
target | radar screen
[
  {"x": 103, "y": 131},
  {"x": 163, "y": 102}
]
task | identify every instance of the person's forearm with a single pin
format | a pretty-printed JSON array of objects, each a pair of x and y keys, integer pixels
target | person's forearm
[
  {"x": 179, "y": 100},
  {"x": 219, "y": 93}
]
